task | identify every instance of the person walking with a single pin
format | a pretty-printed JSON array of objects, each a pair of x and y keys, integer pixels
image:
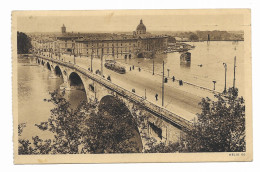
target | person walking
[{"x": 156, "y": 96}]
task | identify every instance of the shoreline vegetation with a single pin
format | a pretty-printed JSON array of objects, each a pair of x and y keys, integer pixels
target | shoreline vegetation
[{"x": 109, "y": 127}]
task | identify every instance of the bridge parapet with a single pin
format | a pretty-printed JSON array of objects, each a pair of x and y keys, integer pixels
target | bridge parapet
[{"x": 149, "y": 106}]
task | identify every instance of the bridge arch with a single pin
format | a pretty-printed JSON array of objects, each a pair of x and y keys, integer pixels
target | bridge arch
[
  {"x": 58, "y": 72},
  {"x": 122, "y": 120},
  {"x": 48, "y": 66},
  {"x": 75, "y": 82}
]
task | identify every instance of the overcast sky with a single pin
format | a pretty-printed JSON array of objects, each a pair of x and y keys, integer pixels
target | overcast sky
[{"x": 119, "y": 21}]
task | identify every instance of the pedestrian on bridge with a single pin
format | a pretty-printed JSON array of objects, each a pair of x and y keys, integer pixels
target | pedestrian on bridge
[
  {"x": 130, "y": 68},
  {"x": 133, "y": 67},
  {"x": 156, "y": 96},
  {"x": 139, "y": 69}
]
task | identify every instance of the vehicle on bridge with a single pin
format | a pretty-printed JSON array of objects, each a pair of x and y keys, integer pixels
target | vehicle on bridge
[{"x": 112, "y": 65}]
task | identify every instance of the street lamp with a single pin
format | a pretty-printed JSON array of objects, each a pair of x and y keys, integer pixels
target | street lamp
[
  {"x": 163, "y": 85},
  {"x": 153, "y": 66},
  {"x": 225, "y": 66},
  {"x": 91, "y": 59}
]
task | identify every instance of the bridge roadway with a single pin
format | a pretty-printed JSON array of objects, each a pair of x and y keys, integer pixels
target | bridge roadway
[{"x": 161, "y": 112}]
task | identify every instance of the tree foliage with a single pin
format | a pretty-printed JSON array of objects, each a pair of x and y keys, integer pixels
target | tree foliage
[
  {"x": 112, "y": 129},
  {"x": 194, "y": 37},
  {"x": 23, "y": 43},
  {"x": 220, "y": 126}
]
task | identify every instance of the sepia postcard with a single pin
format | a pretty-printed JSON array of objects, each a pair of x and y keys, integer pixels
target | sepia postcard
[{"x": 122, "y": 86}]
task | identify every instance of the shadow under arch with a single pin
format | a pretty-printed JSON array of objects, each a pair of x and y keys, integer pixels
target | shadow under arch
[
  {"x": 42, "y": 62},
  {"x": 48, "y": 66},
  {"x": 58, "y": 72},
  {"x": 76, "y": 82},
  {"x": 122, "y": 120}
]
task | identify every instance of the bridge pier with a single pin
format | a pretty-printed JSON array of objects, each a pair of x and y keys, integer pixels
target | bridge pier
[{"x": 53, "y": 74}]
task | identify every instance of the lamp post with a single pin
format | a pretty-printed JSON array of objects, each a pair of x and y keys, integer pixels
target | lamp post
[
  {"x": 225, "y": 88},
  {"x": 234, "y": 81},
  {"x": 91, "y": 59},
  {"x": 153, "y": 66},
  {"x": 163, "y": 85},
  {"x": 102, "y": 52}
]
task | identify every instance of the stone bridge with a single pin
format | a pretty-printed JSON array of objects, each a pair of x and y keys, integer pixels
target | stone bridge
[{"x": 161, "y": 124}]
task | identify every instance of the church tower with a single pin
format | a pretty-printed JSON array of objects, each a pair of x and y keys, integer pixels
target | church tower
[{"x": 63, "y": 29}]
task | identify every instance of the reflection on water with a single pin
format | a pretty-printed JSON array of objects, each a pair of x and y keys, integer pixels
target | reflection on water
[
  {"x": 34, "y": 85},
  {"x": 185, "y": 64}
]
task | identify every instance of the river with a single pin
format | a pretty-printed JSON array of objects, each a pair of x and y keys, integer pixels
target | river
[{"x": 34, "y": 85}]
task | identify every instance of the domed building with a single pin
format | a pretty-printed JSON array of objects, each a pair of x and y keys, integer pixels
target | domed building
[
  {"x": 141, "y": 44},
  {"x": 141, "y": 29}
]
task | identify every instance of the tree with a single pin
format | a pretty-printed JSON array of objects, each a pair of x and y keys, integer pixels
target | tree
[
  {"x": 23, "y": 43},
  {"x": 220, "y": 126},
  {"x": 112, "y": 129},
  {"x": 193, "y": 37}
]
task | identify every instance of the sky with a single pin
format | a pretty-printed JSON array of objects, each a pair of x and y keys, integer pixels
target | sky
[{"x": 127, "y": 21}]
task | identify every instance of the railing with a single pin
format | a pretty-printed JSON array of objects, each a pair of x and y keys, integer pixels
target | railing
[{"x": 157, "y": 110}]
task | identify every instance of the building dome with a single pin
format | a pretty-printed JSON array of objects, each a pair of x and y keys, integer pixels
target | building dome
[{"x": 141, "y": 29}]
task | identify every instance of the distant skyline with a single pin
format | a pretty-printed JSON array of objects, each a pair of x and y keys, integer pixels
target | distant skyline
[{"x": 116, "y": 21}]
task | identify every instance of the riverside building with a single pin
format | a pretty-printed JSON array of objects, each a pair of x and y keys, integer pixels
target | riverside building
[{"x": 140, "y": 44}]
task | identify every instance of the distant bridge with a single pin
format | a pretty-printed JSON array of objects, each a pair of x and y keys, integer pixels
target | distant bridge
[{"x": 169, "y": 124}]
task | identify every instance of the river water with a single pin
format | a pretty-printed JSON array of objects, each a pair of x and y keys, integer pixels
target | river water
[{"x": 34, "y": 85}]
